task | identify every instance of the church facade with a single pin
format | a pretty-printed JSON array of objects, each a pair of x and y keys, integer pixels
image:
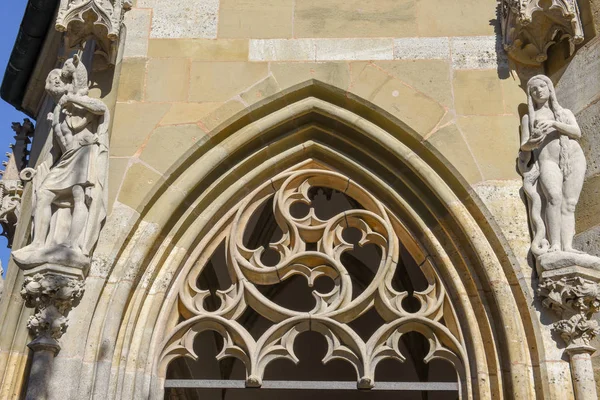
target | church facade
[{"x": 239, "y": 199}]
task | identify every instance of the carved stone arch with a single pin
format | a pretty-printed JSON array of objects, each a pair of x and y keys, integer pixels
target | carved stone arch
[{"x": 314, "y": 121}]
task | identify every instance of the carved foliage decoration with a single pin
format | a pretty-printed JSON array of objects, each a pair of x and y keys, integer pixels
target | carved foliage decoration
[
  {"x": 312, "y": 248},
  {"x": 575, "y": 300},
  {"x": 530, "y": 27},
  {"x": 52, "y": 296},
  {"x": 100, "y": 19}
]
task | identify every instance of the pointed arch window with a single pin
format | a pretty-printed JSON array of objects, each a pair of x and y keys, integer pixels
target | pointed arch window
[{"x": 311, "y": 253}]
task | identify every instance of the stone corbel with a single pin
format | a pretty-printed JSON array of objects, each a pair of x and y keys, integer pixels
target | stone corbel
[
  {"x": 574, "y": 294},
  {"x": 52, "y": 292},
  {"x": 99, "y": 19},
  {"x": 530, "y": 27}
]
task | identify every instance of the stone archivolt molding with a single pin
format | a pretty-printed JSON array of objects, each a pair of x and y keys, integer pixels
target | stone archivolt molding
[
  {"x": 530, "y": 27},
  {"x": 100, "y": 19},
  {"x": 333, "y": 310}
]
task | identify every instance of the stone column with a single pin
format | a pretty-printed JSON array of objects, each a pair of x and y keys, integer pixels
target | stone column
[
  {"x": 574, "y": 293},
  {"x": 53, "y": 290}
]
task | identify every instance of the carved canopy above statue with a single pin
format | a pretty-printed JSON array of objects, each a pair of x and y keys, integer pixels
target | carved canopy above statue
[{"x": 530, "y": 27}]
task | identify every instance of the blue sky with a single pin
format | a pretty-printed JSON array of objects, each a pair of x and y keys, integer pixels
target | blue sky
[{"x": 12, "y": 11}]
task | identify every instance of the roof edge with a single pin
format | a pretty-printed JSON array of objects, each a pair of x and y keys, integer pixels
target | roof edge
[{"x": 32, "y": 34}]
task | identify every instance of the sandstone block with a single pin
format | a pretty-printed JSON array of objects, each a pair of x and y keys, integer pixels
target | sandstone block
[
  {"x": 421, "y": 48},
  {"x": 136, "y": 186},
  {"x": 182, "y": 18},
  {"x": 430, "y": 77},
  {"x": 290, "y": 74},
  {"x": 256, "y": 18},
  {"x": 477, "y": 52},
  {"x": 355, "y": 18},
  {"x": 167, "y": 79},
  {"x": 450, "y": 18},
  {"x": 132, "y": 80},
  {"x": 137, "y": 22},
  {"x": 200, "y": 49},
  {"x": 168, "y": 143},
  {"x": 494, "y": 142},
  {"x": 354, "y": 49},
  {"x": 478, "y": 92},
  {"x": 132, "y": 124},
  {"x": 220, "y": 81},
  {"x": 451, "y": 144},
  {"x": 282, "y": 50},
  {"x": 186, "y": 113}
]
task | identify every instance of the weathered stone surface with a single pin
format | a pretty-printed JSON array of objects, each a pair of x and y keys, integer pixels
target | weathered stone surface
[
  {"x": 168, "y": 79},
  {"x": 495, "y": 161},
  {"x": 290, "y": 74},
  {"x": 589, "y": 121},
  {"x": 137, "y": 22},
  {"x": 132, "y": 125},
  {"x": 574, "y": 91},
  {"x": 587, "y": 214},
  {"x": 477, "y": 52},
  {"x": 138, "y": 182},
  {"x": 422, "y": 48},
  {"x": 354, "y": 49},
  {"x": 430, "y": 77},
  {"x": 132, "y": 80},
  {"x": 561, "y": 259},
  {"x": 220, "y": 81},
  {"x": 451, "y": 144},
  {"x": 186, "y": 113},
  {"x": 282, "y": 50},
  {"x": 256, "y": 18},
  {"x": 116, "y": 172},
  {"x": 413, "y": 108},
  {"x": 200, "y": 49},
  {"x": 263, "y": 89},
  {"x": 353, "y": 18},
  {"x": 182, "y": 18},
  {"x": 588, "y": 242},
  {"x": 451, "y": 18},
  {"x": 168, "y": 143},
  {"x": 221, "y": 115},
  {"x": 477, "y": 93},
  {"x": 506, "y": 203}
]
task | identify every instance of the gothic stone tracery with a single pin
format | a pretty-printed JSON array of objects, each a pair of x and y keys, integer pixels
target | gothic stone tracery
[{"x": 312, "y": 248}]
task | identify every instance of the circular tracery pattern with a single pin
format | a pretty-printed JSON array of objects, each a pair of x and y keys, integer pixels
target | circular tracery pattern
[{"x": 313, "y": 248}]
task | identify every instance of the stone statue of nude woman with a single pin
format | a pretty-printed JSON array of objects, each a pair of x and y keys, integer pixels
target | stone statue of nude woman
[
  {"x": 553, "y": 167},
  {"x": 70, "y": 196}
]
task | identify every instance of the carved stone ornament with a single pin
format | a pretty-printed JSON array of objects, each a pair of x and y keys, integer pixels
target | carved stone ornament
[
  {"x": 70, "y": 192},
  {"x": 313, "y": 247},
  {"x": 575, "y": 299},
  {"x": 530, "y": 27},
  {"x": 52, "y": 296},
  {"x": 100, "y": 19},
  {"x": 553, "y": 167}
]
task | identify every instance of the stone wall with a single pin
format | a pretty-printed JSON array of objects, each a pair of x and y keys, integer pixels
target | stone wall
[{"x": 189, "y": 66}]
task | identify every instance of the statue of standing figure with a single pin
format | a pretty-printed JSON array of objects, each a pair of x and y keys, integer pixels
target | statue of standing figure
[
  {"x": 70, "y": 195},
  {"x": 553, "y": 167}
]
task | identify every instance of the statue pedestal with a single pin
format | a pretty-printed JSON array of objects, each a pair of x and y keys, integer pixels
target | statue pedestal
[
  {"x": 53, "y": 290},
  {"x": 573, "y": 292}
]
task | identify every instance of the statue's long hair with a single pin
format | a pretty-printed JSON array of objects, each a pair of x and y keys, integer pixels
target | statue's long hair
[{"x": 560, "y": 115}]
